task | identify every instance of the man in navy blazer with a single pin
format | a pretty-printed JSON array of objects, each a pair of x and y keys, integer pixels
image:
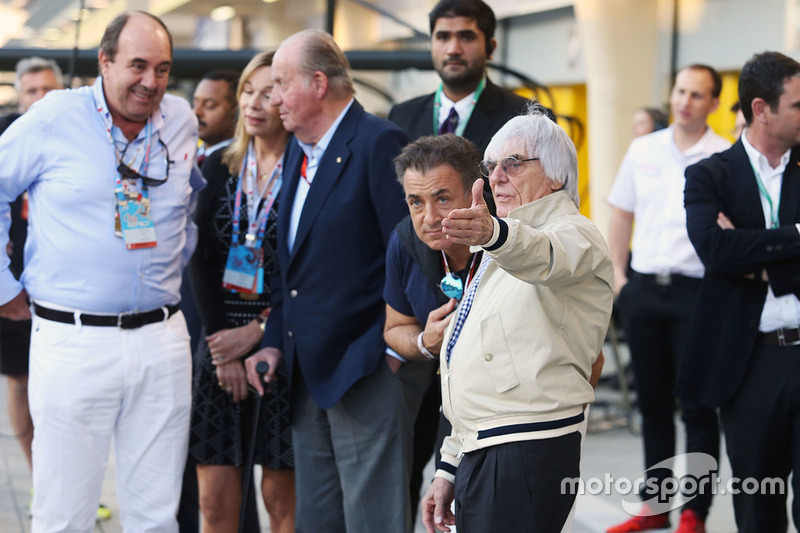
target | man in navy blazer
[
  {"x": 742, "y": 212},
  {"x": 495, "y": 107},
  {"x": 338, "y": 205},
  {"x": 462, "y": 42}
]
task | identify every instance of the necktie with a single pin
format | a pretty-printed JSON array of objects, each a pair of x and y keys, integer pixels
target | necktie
[
  {"x": 200, "y": 159},
  {"x": 466, "y": 305},
  {"x": 450, "y": 123}
]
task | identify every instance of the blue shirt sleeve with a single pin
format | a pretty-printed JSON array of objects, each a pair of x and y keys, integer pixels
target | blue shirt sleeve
[{"x": 394, "y": 290}]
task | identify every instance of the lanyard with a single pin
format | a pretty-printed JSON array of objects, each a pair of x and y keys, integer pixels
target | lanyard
[
  {"x": 257, "y": 220},
  {"x": 462, "y": 123},
  {"x": 122, "y": 188},
  {"x": 472, "y": 267},
  {"x": 304, "y": 170},
  {"x": 773, "y": 210},
  {"x": 125, "y": 188}
]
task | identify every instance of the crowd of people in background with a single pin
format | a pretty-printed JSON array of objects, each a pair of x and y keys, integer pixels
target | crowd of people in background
[{"x": 419, "y": 285}]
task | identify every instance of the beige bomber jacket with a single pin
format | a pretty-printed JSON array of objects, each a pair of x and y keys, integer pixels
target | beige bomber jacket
[{"x": 520, "y": 369}]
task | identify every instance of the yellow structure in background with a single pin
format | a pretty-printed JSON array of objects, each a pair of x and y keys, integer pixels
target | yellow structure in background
[
  {"x": 722, "y": 120},
  {"x": 570, "y": 100}
]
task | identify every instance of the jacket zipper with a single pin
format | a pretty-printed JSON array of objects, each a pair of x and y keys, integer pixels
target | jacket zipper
[{"x": 446, "y": 382}]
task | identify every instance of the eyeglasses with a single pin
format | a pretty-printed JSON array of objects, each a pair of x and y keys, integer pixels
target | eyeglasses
[
  {"x": 128, "y": 173},
  {"x": 510, "y": 165},
  {"x": 452, "y": 286}
]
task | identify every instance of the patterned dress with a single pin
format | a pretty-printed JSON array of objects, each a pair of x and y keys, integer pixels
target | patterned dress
[{"x": 221, "y": 429}]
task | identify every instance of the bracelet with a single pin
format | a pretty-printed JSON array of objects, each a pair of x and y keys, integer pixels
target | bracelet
[
  {"x": 262, "y": 322},
  {"x": 422, "y": 349}
]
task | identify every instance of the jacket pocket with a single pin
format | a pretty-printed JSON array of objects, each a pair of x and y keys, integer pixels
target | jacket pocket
[{"x": 496, "y": 354}]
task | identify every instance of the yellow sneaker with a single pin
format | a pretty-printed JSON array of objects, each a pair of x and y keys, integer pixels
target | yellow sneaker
[{"x": 103, "y": 513}]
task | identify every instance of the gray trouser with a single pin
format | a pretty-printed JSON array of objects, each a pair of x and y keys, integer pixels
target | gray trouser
[{"x": 352, "y": 461}]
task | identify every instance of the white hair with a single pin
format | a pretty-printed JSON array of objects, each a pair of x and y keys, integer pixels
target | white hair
[
  {"x": 35, "y": 64},
  {"x": 540, "y": 136}
]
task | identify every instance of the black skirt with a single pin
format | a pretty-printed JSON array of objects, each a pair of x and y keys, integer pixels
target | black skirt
[{"x": 221, "y": 429}]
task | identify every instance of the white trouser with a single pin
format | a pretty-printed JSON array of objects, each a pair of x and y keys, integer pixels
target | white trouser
[{"x": 88, "y": 384}]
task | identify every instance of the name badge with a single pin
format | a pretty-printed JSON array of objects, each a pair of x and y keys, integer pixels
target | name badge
[
  {"x": 243, "y": 271},
  {"x": 136, "y": 223}
]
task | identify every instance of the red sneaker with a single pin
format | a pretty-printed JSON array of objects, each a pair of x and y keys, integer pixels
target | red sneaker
[
  {"x": 690, "y": 523},
  {"x": 642, "y": 523}
]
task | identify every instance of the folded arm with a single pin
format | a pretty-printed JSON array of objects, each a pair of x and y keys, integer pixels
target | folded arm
[{"x": 724, "y": 244}]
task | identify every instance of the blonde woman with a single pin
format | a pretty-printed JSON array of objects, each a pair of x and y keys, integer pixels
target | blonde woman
[{"x": 230, "y": 273}]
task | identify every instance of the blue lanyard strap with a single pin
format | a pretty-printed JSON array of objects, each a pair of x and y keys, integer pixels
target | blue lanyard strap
[
  {"x": 462, "y": 123},
  {"x": 256, "y": 218}
]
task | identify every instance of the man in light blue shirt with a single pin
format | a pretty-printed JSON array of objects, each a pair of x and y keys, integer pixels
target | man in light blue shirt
[{"x": 111, "y": 175}]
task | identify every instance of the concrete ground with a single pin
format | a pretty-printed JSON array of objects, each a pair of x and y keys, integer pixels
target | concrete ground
[{"x": 611, "y": 448}]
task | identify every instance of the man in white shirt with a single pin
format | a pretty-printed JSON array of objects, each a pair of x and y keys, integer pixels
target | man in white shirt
[
  {"x": 743, "y": 353},
  {"x": 657, "y": 295}
]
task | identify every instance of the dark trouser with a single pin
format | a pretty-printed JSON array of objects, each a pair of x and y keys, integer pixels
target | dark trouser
[
  {"x": 517, "y": 486},
  {"x": 656, "y": 318},
  {"x": 352, "y": 461},
  {"x": 189, "y": 508},
  {"x": 762, "y": 434},
  {"x": 425, "y": 442}
]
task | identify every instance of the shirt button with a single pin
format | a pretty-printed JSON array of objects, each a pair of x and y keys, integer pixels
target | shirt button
[
  {"x": 291, "y": 334},
  {"x": 293, "y": 293},
  {"x": 488, "y": 357}
]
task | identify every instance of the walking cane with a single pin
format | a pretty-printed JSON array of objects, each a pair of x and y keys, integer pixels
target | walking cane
[{"x": 261, "y": 368}]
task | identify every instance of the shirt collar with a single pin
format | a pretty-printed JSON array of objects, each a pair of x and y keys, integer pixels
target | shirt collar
[
  {"x": 207, "y": 150},
  {"x": 322, "y": 145},
  {"x": 156, "y": 119},
  {"x": 760, "y": 162},
  {"x": 697, "y": 148},
  {"x": 461, "y": 106}
]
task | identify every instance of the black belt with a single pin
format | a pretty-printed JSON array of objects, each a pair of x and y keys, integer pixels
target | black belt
[
  {"x": 781, "y": 337},
  {"x": 667, "y": 280},
  {"x": 122, "y": 320}
]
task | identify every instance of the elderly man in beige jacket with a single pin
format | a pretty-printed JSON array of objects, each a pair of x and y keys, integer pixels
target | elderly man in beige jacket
[{"x": 517, "y": 358}]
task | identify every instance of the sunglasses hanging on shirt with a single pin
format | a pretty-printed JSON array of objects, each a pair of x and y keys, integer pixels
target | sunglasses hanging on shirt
[{"x": 451, "y": 285}]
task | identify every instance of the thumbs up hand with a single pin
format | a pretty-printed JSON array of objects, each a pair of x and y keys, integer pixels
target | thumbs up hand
[{"x": 473, "y": 225}]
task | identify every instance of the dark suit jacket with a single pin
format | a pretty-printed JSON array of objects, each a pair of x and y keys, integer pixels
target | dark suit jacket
[
  {"x": 494, "y": 108},
  {"x": 327, "y": 307},
  {"x": 725, "y": 325}
]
